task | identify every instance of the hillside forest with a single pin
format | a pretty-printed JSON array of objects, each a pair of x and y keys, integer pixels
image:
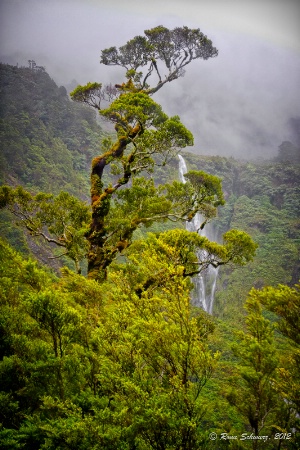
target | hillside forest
[{"x": 102, "y": 344}]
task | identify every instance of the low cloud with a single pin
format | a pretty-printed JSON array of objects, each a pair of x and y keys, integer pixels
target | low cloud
[{"x": 238, "y": 104}]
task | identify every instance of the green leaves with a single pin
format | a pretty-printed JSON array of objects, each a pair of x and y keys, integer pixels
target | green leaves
[
  {"x": 172, "y": 134},
  {"x": 134, "y": 54},
  {"x": 134, "y": 108},
  {"x": 60, "y": 321},
  {"x": 255, "y": 398},
  {"x": 143, "y": 131},
  {"x": 60, "y": 220},
  {"x": 124, "y": 362},
  {"x": 162, "y": 54},
  {"x": 239, "y": 246},
  {"x": 93, "y": 364},
  {"x": 284, "y": 301},
  {"x": 156, "y": 359},
  {"x": 90, "y": 94},
  {"x": 93, "y": 94},
  {"x": 202, "y": 193},
  {"x": 207, "y": 187},
  {"x": 127, "y": 360}
]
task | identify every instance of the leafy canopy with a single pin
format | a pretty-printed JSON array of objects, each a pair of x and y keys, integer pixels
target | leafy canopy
[
  {"x": 161, "y": 53},
  {"x": 145, "y": 135}
]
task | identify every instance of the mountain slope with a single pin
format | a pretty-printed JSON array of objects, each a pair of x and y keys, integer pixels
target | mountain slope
[
  {"x": 262, "y": 199},
  {"x": 47, "y": 141},
  {"x": 46, "y": 144}
]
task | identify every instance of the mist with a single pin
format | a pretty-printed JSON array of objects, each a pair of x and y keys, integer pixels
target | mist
[{"x": 238, "y": 104}]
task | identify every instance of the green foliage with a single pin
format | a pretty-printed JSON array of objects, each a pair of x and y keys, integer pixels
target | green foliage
[
  {"x": 239, "y": 246},
  {"x": 284, "y": 301},
  {"x": 163, "y": 53},
  {"x": 128, "y": 363},
  {"x": 288, "y": 153},
  {"x": 263, "y": 200},
  {"x": 145, "y": 136},
  {"x": 46, "y": 140},
  {"x": 257, "y": 351},
  {"x": 133, "y": 108},
  {"x": 12, "y": 233},
  {"x": 262, "y": 382},
  {"x": 47, "y": 143},
  {"x": 95, "y": 366},
  {"x": 82, "y": 93},
  {"x": 61, "y": 220}
]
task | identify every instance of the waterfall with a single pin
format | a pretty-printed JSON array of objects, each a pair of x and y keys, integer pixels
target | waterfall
[{"x": 205, "y": 283}]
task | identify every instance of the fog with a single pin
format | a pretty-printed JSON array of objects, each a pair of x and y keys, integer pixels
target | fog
[{"x": 238, "y": 104}]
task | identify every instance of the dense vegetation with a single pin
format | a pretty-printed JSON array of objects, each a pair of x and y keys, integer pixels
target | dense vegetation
[
  {"x": 47, "y": 143},
  {"x": 263, "y": 199},
  {"x": 89, "y": 366},
  {"x": 126, "y": 362}
]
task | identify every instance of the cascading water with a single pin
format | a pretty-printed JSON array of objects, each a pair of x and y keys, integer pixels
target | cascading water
[{"x": 204, "y": 283}]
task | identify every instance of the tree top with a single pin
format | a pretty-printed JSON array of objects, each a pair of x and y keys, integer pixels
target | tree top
[{"x": 160, "y": 55}]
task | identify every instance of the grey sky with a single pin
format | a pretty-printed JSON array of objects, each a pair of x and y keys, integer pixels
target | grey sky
[{"x": 236, "y": 104}]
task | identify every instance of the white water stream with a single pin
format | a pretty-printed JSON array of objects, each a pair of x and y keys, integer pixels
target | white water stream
[{"x": 205, "y": 283}]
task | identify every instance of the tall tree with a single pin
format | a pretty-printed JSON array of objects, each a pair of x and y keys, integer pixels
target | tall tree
[
  {"x": 144, "y": 135},
  {"x": 125, "y": 200},
  {"x": 284, "y": 301},
  {"x": 59, "y": 220},
  {"x": 254, "y": 395}
]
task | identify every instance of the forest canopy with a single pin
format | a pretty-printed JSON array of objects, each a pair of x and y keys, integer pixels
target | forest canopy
[{"x": 109, "y": 351}]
